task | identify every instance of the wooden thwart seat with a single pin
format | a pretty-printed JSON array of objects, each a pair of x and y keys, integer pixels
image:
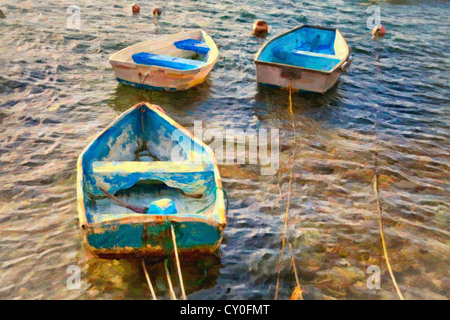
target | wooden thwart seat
[
  {"x": 197, "y": 46},
  {"x": 124, "y": 167},
  {"x": 306, "y": 59},
  {"x": 313, "y": 54}
]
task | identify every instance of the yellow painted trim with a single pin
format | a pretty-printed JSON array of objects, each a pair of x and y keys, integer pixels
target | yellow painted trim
[{"x": 154, "y": 166}]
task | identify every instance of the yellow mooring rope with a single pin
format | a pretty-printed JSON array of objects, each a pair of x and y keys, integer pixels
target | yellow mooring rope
[
  {"x": 149, "y": 282},
  {"x": 169, "y": 281},
  {"x": 180, "y": 276},
  {"x": 380, "y": 212},
  {"x": 286, "y": 217},
  {"x": 380, "y": 222},
  {"x": 298, "y": 293},
  {"x": 166, "y": 268}
]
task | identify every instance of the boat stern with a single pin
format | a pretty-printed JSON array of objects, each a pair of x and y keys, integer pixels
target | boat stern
[{"x": 116, "y": 240}]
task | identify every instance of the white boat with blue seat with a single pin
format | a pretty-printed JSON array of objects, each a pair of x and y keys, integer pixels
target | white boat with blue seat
[
  {"x": 143, "y": 174},
  {"x": 308, "y": 58},
  {"x": 168, "y": 63},
  {"x": 159, "y": 60}
]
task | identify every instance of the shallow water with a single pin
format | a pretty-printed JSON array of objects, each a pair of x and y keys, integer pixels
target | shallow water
[{"x": 57, "y": 90}]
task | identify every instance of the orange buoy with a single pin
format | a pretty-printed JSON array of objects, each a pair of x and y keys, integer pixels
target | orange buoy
[
  {"x": 260, "y": 28},
  {"x": 135, "y": 8},
  {"x": 156, "y": 12},
  {"x": 378, "y": 32}
]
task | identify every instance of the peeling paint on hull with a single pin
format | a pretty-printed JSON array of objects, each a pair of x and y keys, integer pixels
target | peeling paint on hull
[
  {"x": 110, "y": 161},
  {"x": 154, "y": 239}
]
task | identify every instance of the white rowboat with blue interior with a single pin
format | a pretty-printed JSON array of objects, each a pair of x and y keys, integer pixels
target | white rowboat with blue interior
[
  {"x": 169, "y": 63},
  {"x": 310, "y": 59}
]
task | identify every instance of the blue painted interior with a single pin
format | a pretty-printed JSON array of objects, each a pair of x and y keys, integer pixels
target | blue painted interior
[
  {"x": 307, "y": 47},
  {"x": 195, "y": 45},
  {"x": 125, "y": 133},
  {"x": 145, "y": 193},
  {"x": 188, "y": 182},
  {"x": 160, "y": 60},
  {"x": 121, "y": 142}
]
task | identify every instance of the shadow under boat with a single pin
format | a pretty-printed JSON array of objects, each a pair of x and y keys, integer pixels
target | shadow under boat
[
  {"x": 172, "y": 102},
  {"x": 267, "y": 97},
  {"x": 311, "y": 110},
  {"x": 200, "y": 272}
]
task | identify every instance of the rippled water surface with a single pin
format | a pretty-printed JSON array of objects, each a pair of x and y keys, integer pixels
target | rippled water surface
[{"x": 57, "y": 90}]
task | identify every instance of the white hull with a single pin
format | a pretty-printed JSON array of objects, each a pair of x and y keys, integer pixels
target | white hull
[
  {"x": 161, "y": 78},
  {"x": 301, "y": 78}
]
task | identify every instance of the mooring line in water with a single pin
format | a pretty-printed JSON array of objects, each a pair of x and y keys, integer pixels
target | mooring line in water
[
  {"x": 380, "y": 212},
  {"x": 175, "y": 248},
  {"x": 298, "y": 292},
  {"x": 358, "y": 37},
  {"x": 169, "y": 281},
  {"x": 283, "y": 243},
  {"x": 149, "y": 282},
  {"x": 286, "y": 217},
  {"x": 380, "y": 222}
]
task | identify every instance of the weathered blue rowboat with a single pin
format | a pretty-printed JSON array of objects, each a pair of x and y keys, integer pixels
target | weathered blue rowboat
[
  {"x": 144, "y": 159},
  {"x": 309, "y": 58}
]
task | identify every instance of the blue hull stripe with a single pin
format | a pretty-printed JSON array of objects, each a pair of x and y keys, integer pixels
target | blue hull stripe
[
  {"x": 144, "y": 86},
  {"x": 278, "y": 87}
]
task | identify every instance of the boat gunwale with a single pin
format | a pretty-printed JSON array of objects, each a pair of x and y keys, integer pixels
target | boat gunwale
[
  {"x": 115, "y": 62},
  {"x": 282, "y": 65},
  {"x": 84, "y": 224},
  {"x": 136, "y": 218}
]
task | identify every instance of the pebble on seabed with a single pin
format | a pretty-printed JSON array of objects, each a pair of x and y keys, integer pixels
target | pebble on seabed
[{"x": 2, "y": 15}]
